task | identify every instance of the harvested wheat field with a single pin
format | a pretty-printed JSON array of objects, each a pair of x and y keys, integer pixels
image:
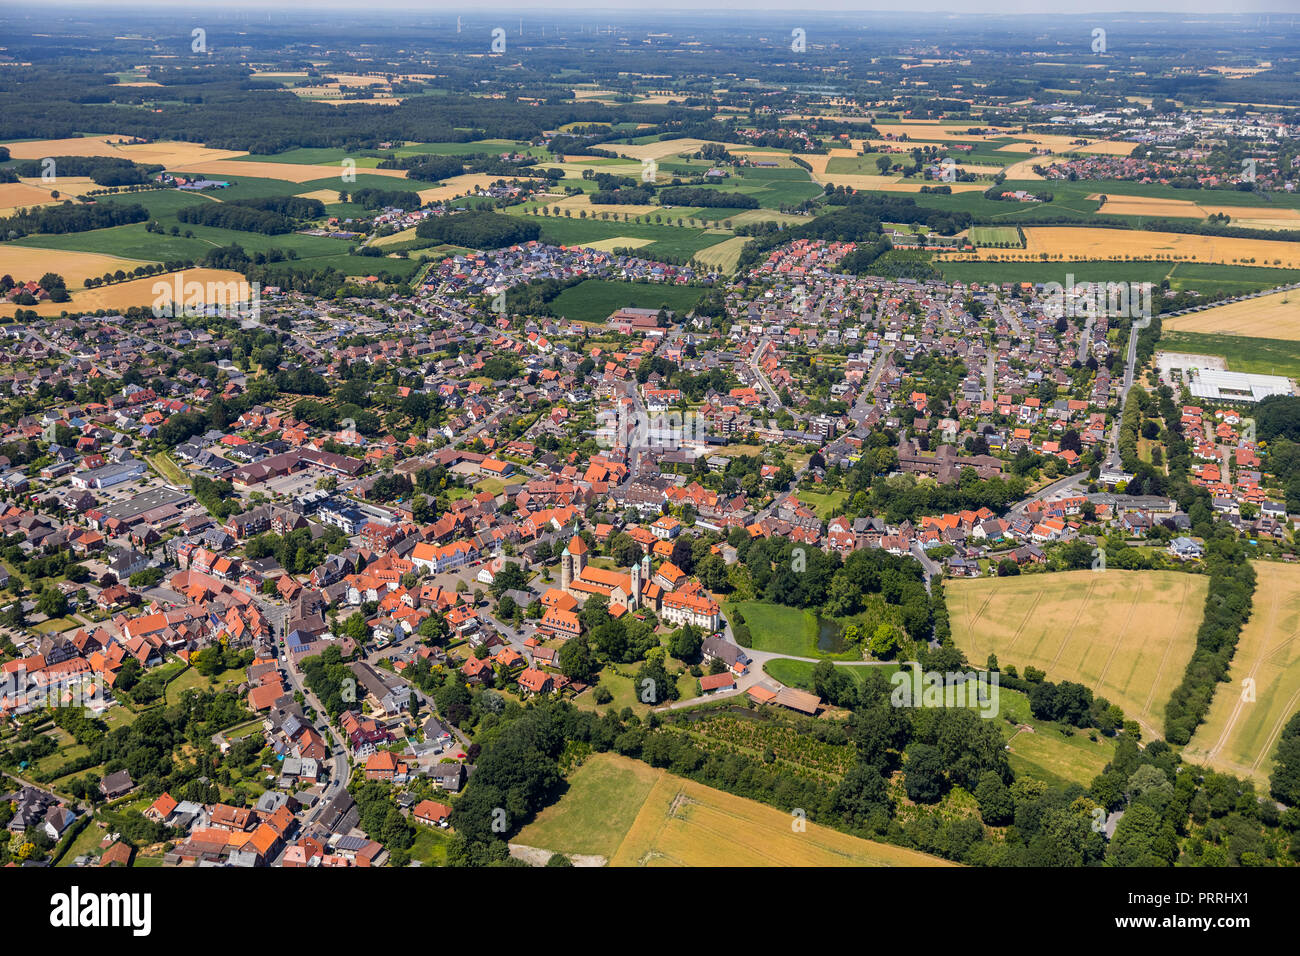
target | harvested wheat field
[
  {"x": 123, "y": 295},
  {"x": 21, "y": 195},
  {"x": 1024, "y": 169},
  {"x": 74, "y": 146},
  {"x": 1091, "y": 243},
  {"x": 631, "y": 814},
  {"x": 618, "y": 242},
  {"x": 289, "y": 172},
  {"x": 1107, "y": 148},
  {"x": 1126, "y": 634},
  {"x": 661, "y": 149},
  {"x": 1186, "y": 209},
  {"x": 1275, "y": 316},
  {"x": 1240, "y": 733},
  {"x": 166, "y": 153},
  {"x": 25, "y": 263},
  {"x": 324, "y": 195}
]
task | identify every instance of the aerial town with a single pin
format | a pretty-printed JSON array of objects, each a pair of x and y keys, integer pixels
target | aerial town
[{"x": 350, "y": 521}]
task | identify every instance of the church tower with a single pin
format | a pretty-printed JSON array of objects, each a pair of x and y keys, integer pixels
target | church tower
[
  {"x": 566, "y": 573},
  {"x": 634, "y": 599}
]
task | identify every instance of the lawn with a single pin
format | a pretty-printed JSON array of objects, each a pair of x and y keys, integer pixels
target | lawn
[
  {"x": 600, "y": 804},
  {"x": 170, "y": 471},
  {"x": 1240, "y": 732},
  {"x": 431, "y": 846},
  {"x": 625, "y": 691},
  {"x": 824, "y": 503},
  {"x": 1046, "y": 751},
  {"x": 786, "y": 630},
  {"x": 798, "y": 674},
  {"x": 596, "y": 299},
  {"x": 1128, "y": 635}
]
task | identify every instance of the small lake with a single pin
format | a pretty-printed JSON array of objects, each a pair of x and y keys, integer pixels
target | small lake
[{"x": 830, "y": 636}]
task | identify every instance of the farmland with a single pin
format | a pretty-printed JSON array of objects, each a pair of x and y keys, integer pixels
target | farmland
[
  {"x": 1071, "y": 243},
  {"x": 1275, "y": 316},
  {"x": 1126, "y": 634},
  {"x": 1240, "y": 732},
  {"x": 633, "y": 815}
]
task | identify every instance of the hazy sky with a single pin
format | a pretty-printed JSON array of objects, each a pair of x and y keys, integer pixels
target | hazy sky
[{"x": 640, "y": 9}]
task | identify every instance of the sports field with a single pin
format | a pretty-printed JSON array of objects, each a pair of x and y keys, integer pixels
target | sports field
[
  {"x": 634, "y": 815},
  {"x": 1275, "y": 316},
  {"x": 1126, "y": 634},
  {"x": 1240, "y": 734},
  {"x": 994, "y": 236}
]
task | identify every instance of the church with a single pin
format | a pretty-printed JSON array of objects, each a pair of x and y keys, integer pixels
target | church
[{"x": 634, "y": 589}]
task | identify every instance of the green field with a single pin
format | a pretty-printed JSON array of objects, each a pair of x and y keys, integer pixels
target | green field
[
  {"x": 794, "y": 673},
  {"x": 787, "y": 630},
  {"x": 1260, "y": 356},
  {"x": 1002, "y": 236},
  {"x": 601, "y": 801},
  {"x": 595, "y": 299}
]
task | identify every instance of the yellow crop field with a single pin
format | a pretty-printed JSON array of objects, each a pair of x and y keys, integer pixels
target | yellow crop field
[
  {"x": 73, "y": 146},
  {"x": 1126, "y": 634},
  {"x": 21, "y": 195},
  {"x": 724, "y": 255},
  {"x": 1275, "y": 316},
  {"x": 659, "y": 150},
  {"x": 167, "y": 152},
  {"x": 1091, "y": 243},
  {"x": 683, "y": 823},
  {"x": 1240, "y": 734},
  {"x": 618, "y": 242},
  {"x": 324, "y": 195},
  {"x": 117, "y": 297},
  {"x": 631, "y": 814},
  {"x": 1107, "y": 148},
  {"x": 26, "y": 263}
]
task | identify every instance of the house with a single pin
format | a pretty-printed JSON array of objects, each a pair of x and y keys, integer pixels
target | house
[
  {"x": 116, "y": 784},
  {"x": 448, "y": 776},
  {"x": 712, "y": 683},
  {"x": 432, "y": 813},
  {"x": 717, "y": 649},
  {"x": 1185, "y": 549},
  {"x": 533, "y": 681}
]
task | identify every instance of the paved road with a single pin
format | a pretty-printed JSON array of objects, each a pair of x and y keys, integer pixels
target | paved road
[{"x": 1057, "y": 488}]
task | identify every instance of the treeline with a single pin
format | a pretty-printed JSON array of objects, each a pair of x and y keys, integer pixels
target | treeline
[
  {"x": 55, "y": 220},
  {"x": 270, "y": 216},
  {"x": 102, "y": 170},
  {"x": 1227, "y": 608},
  {"x": 386, "y": 198},
  {"x": 479, "y": 230},
  {"x": 429, "y": 168},
  {"x": 705, "y": 197},
  {"x": 631, "y": 196}
]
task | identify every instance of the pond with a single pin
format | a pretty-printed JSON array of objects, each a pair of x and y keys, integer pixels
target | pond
[{"x": 830, "y": 636}]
